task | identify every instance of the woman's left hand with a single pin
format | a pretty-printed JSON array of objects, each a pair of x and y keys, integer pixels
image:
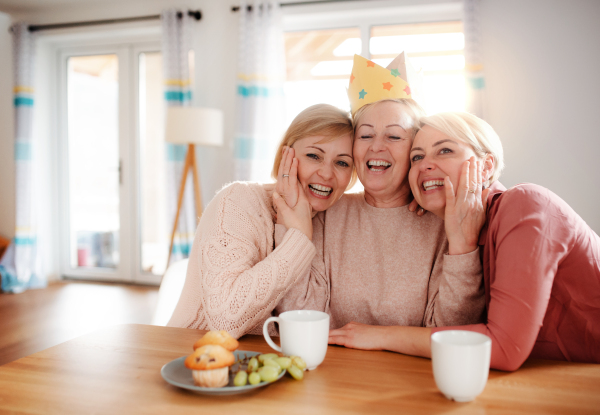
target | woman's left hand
[
  {"x": 466, "y": 211},
  {"x": 357, "y": 336}
]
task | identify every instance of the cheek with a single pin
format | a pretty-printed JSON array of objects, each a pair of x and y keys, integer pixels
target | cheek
[{"x": 358, "y": 151}]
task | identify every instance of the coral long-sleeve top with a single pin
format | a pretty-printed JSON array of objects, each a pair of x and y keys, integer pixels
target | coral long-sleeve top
[{"x": 541, "y": 266}]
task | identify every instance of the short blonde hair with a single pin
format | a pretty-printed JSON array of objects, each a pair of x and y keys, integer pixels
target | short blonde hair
[
  {"x": 473, "y": 131},
  {"x": 317, "y": 120},
  {"x": 413, "y": 112}
]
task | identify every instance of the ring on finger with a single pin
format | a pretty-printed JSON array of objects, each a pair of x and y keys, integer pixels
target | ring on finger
[
  {"x": 286, "y": 175},
  {"x": 471, "y": 191}
]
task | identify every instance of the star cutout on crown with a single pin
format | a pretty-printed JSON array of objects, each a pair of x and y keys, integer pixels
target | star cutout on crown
[
  {"x": 370, "y": 64},
  {"x": 388, "y": 86},
  {"x": 352, "y": 77},
  {"x": 361, "y": 94},
  {"x": 407, "y": 90},
  {"x": 395, "y": 72}
]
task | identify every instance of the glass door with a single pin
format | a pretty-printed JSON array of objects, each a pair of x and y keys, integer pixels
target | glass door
[{"x": 94, "y": 174}]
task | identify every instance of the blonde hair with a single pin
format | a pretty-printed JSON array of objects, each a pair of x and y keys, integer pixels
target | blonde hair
[
  {"x": 317, "y": 120},
  {"x": 412, "y": 113},
  {"x": 473, "y": 131}
]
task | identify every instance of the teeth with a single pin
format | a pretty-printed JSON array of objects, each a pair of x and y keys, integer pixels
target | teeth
[
  {"x": 432, "y": 184},
  {"x": 378, "y": 163},
  {"x": 320, "y": 189}
]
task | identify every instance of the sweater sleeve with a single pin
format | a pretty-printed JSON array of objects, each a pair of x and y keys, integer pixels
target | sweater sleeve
[
  {"x": 456, "y": 290},
  {"x": 312, "y": 290},
  {"x": 235, "y": 278},
  {"x": 532, "y": 238}
]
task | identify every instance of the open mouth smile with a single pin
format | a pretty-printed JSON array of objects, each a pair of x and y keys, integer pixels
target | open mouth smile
[
  {"x": 432, "y": 184},
  {"x": 320, "y": 190},
  {"x": 378, "y": 165}
]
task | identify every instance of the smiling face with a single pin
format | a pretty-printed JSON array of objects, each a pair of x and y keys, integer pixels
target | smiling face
[
  {"x": 382, "y": 143},
  {"x": 434, "y": 156},
  {"x": 324, "y": 169}
]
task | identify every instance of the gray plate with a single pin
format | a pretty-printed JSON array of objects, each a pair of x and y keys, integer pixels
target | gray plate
[{"x": 178, "y": 375}]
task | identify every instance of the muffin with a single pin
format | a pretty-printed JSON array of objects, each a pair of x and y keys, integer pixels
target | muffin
[
  {"x": 210, "y": 366},
  {"x": 221, "y": 338}
]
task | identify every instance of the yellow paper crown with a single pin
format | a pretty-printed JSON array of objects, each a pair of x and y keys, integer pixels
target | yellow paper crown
[{"x": 370, "y": 82}]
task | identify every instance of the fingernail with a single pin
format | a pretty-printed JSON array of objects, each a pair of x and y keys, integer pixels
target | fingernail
[{"x": 276, "y": 195}]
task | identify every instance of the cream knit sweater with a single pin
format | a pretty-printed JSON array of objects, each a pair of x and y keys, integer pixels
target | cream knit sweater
[{"x": 236, "y": 277}]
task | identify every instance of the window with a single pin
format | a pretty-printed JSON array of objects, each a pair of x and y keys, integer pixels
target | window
[
  {"x": 321, "y": 39},
  {"x": 319, "y": 63}
]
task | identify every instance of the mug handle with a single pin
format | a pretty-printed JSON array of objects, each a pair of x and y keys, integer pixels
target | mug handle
[{"x": 266, "y": 333}]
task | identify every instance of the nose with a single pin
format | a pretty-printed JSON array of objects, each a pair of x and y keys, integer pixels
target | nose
[
  {"x": 325, "y": 171},
  {"x": 378, "y": 144},
  {"x": 426, "y": 164}
]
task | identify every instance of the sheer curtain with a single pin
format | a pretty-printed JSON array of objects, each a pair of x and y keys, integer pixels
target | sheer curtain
[
  {"x": 473, "y": 58},
  {"x": 20, "y": 266},
  {"x": 176, "y": 47},
  {"x": 261, "y": 72}
]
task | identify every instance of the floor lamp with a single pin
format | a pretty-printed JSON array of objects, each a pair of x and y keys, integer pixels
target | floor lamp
[{"x": 192, "y": 126}]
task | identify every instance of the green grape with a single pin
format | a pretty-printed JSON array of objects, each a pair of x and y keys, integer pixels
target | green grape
[
  {"x": 296, "y": 373},
  {"x": 254, "y": 378},
  {"x": 268, "y": 373},
  {"x": 262, "y": 357},
  {"x": 284, "y": 362},
  {"x": 299, "y": 362},
  {"x": 240, "y": 379},
  {"x": 253, "y": 365},
  {"x": 272, "y": 363}
]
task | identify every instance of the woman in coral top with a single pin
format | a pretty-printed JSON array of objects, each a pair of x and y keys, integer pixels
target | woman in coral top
[
  {"x": 243, "y": 261},
  {"x": 541, "y": 261}
]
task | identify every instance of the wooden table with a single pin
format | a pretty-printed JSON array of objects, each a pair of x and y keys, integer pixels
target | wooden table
[{"x": 117, "y": 370}]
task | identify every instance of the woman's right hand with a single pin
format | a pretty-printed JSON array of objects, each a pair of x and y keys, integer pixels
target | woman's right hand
[
  {"x": 287, "y": 186},
  {"x": 299, "y": 217}
]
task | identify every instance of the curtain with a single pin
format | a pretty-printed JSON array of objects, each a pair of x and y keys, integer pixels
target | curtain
[
  {"x": 260, "y": 111},
  {"x": 20, "y": 266},
  {"x": 176, "y": 47},
  {"x": 473, "y": 59}
]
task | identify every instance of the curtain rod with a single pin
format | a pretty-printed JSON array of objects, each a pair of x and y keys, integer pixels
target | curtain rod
[
  {"x": 297, "y": 3},
  {"x": 197, "y": 15}
]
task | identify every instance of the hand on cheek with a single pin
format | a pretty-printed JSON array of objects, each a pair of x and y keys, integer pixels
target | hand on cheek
[{"x": 465, "y": 212}]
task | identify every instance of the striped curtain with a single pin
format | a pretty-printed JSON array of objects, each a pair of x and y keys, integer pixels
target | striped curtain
[
  {"x": 176, "y": 47},
  {"x": 20, "y": 266},
  {"x": 260, "y": 111},
  {"x": 473, "y": 59}
]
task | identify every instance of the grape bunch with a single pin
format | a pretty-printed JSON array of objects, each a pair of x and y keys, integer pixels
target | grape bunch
[{"x": 267, "y": 367}]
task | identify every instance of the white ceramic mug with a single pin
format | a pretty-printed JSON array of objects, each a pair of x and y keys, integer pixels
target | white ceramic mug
[
  {"x": 461, "y": 363},
  {"x": 302, "y": 333}
]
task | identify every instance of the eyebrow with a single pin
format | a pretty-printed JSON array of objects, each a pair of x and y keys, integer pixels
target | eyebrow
[
  {"x": 437, "y": 143},
  {"x": 391, "y": 125},
  {"x": 321, "y": 150}
]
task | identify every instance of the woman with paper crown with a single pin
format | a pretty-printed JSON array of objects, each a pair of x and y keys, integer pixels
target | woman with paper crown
[
  {"x": 245, "y": 257},
  {"x": 381, "y": 264},
  {"x": 541, "y": 261}
]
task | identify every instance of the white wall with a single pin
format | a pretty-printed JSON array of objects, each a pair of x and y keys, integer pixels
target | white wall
[
  {"x": 541, "y": 61},
  {"x": 7, "y": 164}
]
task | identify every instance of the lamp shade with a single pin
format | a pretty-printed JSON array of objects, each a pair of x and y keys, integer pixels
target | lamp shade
[{"x": 194, "y": 125}]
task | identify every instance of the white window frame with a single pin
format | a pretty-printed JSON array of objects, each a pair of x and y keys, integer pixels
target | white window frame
[{"x": 127, "y": 43}]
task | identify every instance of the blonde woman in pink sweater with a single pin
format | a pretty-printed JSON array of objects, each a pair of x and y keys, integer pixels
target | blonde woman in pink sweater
[
  {"x": 245, "y": 257},
  {"x": 541, "y": 261}
]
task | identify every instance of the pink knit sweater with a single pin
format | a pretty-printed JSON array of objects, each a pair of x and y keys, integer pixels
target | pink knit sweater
[
  {"x": 387, "y": 267},
  {"x": 235, "y": 276}
]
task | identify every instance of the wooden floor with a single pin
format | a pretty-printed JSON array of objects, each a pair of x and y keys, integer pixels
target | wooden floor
[{"x": 37, "y": 319}]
